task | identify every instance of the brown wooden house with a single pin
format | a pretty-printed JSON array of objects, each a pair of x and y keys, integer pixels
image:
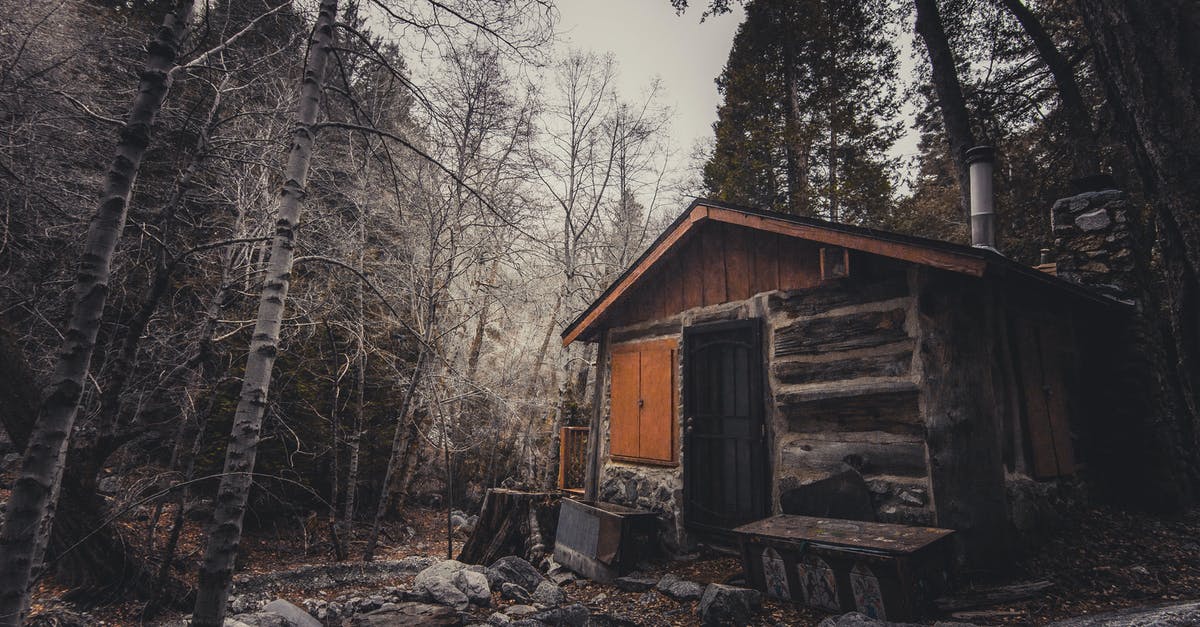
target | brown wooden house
[{"x": 748, "y": 354}]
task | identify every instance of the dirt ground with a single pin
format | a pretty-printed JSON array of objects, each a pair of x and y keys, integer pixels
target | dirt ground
[{"x": 1102, "y": 560}]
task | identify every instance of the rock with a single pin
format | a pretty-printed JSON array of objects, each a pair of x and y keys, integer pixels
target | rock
[
  {"x": 520, "y": 610},
  {"x": 679, "y": 589},
  {"x": 1093, "y": 220},
  {"x": 548, "y": 594},
  {"x": 292, "y": 615},
  {"x": 561, "y": 575},
  {"x": 727, "y": 605},
  {"x": 513, "y": 569},
  {"x": 409, "y": 614},
  {"x": 438, "y": 583},
  {"x": 611, "y": 620},
  {"x": 852, "y": 619},
  {"x": 600, "y": 598},
  {"x": 648, "y": 597},
  {"x": 256, "y": 619},
  {"x": 243, "y": 604},
  {"x": 1173, "y": 615},
  {"x": 513, "y": 592},
  {"x": 475, "y": 586},
  {"x": 634, "y": 584},
  {"x": 913, "y": 497},
  {"x": 108, "y": 485},
  {"x": 842, "y": 495},
  {"x": 574, "y": 615},
  {"x": 498, "y": 618}
]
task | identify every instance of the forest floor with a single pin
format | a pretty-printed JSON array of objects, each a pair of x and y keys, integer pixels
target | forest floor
[{"x": 1102, "y": 560}]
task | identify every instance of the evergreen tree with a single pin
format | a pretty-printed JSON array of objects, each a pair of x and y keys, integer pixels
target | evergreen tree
[{"x": 809, "y": 110}]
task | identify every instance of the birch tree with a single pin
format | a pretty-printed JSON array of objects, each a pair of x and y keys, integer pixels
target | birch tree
[
  {"x": 221, "y": 551},
  {"x": 30, "y": 508}
]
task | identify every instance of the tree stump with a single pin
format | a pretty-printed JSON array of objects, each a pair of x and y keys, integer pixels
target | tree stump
[{"x": 513, "y": 523}]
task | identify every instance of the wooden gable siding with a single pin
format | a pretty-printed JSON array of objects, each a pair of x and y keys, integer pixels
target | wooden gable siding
[
  {"x": 773, "y": 236},
  {"x": 720, "y": 263}
]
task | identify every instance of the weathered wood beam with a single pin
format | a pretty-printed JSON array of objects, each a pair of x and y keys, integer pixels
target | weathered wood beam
[
  {"x": 897, "y": 364},
  {"x": 838, "y": 333},
  {"x": 869, "y": 452},
  {"x": 957, "y": 354}
]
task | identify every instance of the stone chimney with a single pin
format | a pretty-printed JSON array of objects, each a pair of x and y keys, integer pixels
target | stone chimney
[{"x": 1093, "y": 241}]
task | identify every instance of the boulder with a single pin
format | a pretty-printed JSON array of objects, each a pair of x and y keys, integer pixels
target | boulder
[
  {"x": 512, "y": 569},
  {"x": 548, "y": 594},
  {"x": 499, "y": 618},
  {"x": 292, "y": 615},
  {"x": 438, "y": 583},
  {"x": 679, "y": 589},
  {"x": 727, "y": 605},
  {"x": 513, "y": 592},
  {"x": 1169, "y": 615},
  {"x": 474, "y": 585},
  {"x": 409, "y": 614}
]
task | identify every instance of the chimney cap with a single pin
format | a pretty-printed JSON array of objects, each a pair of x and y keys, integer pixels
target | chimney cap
[{"x": 981, "y": 153}]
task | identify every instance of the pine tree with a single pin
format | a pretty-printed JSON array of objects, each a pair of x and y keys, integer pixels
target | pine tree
[{"x": 809, "y": 110}]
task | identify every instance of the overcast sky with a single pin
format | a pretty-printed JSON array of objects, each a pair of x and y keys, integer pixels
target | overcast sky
[{"x": 649, "y": 40}]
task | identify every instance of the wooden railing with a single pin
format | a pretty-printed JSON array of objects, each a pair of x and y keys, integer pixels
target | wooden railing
[{"x": 572, "y": 459}]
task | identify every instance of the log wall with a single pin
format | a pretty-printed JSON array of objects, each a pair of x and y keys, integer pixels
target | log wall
[
  {"x": 845, "y": 388},
  {"x": 910, "y": 375}
]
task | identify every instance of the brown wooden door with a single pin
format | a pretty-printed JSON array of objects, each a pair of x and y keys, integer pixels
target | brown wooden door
[
  {"x": 724, "y": 441},
  {"x": 1043, "y": 372}
]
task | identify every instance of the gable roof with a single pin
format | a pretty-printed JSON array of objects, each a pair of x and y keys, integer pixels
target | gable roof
[{"x": 939, "y": 254}]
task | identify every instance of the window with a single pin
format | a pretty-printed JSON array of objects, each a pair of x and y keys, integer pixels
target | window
[
  {"x": 642, "y": 425},
  {"x": 835, "y": 263}
]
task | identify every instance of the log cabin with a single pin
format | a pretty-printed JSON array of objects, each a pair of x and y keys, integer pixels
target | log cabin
[{"x": 749, "y": 360}]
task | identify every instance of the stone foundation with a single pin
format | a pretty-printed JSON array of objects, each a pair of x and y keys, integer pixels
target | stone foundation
[{"x": 656, "y": 489}]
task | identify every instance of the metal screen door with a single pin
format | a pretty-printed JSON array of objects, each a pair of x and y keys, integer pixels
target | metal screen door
[{"x": 724, "y": 439}]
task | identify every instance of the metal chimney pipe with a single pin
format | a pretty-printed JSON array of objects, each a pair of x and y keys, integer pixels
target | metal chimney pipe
[{"x": 983, "y": 201}]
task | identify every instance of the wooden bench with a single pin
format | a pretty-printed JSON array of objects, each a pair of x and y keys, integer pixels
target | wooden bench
[{"x": 889, "y": 572}]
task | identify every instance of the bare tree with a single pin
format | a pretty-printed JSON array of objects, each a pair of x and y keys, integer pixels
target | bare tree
[
  {"x": 30, "y": 508},
  {"x": 217, "y": 569}
]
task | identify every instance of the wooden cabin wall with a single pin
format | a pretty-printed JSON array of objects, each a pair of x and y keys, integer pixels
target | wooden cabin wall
[
  {"x": 845, "y": 388},
  {"x": 654, "y": 487},
  {"x": 962, "y": 409},
  {"x": 719, "y": 264}
]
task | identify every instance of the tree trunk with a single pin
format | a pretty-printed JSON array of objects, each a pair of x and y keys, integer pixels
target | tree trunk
[
  {"x": 336, "y": 375},
  {"x": 24, "y": 536},
  {"x": 1148, "y": 57},
  {"x": 398, "y": 436},
  {"x": 950, "y": 99},
  {"x": 550, "y": 470},
  {"x": 107, "y": 440},
  {"x": 217, "y": 568},
  {"x": 476, "y": 348},
  {"x": 1075, "y": 111},
  {"x": 504, "y": 527},
  {"x": 356, "y": 435}
]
